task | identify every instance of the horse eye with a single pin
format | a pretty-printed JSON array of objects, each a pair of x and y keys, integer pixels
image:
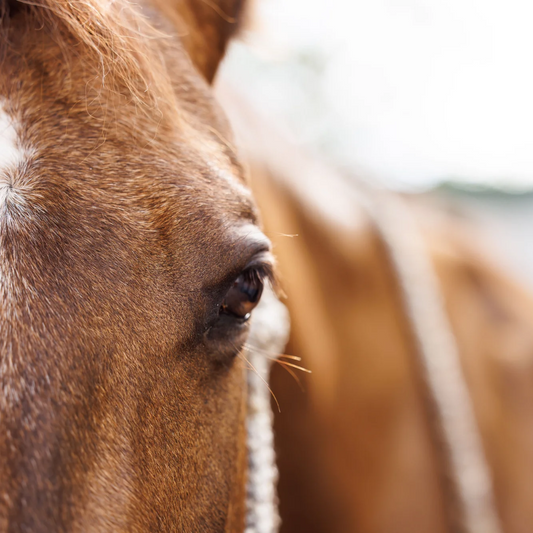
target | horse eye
[{"x": 244, "y": 295}]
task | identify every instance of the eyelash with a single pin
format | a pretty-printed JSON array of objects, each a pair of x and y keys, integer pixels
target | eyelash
[{"x": 262, "y": 272}]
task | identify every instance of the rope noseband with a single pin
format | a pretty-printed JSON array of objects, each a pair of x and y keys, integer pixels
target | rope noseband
[{"x": 268, "y": 337}]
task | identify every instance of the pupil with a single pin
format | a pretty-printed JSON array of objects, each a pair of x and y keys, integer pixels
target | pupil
[{"x": 251, "y": 292}]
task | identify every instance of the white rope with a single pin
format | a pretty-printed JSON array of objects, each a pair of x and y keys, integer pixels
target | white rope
[
  {"x": 268, "y": 337},
  {"x": 438, "y": 353}
]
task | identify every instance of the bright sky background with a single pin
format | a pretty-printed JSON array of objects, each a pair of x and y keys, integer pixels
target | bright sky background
[{"x": 416, "y": 91}]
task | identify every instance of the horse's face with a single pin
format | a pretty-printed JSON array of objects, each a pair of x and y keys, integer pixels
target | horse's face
[{"x": 130, "y": 260}]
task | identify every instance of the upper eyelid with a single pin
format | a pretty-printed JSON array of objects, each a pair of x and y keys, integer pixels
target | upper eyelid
[
  {"x": 267, "y": 268},
  {"x": 251, "y": 238},
  {"x": 263, "y": 258}
]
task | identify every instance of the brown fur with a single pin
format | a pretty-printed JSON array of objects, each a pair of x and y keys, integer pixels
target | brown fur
[{"x": 120, "y": 234}]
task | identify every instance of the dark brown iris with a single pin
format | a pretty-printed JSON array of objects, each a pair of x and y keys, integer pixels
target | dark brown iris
[{"x": 243, "y": 296}]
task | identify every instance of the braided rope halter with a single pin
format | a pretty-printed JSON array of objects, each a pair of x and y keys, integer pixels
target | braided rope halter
[{"x": 268, "y": 335}]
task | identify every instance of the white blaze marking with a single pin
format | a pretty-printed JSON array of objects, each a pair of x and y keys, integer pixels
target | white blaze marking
[{"x": 11, "y": 153}]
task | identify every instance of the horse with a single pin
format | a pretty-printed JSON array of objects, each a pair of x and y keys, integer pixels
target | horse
[
  {"x": 356, "y": 442},
  {"x": 131, "y": 261}
]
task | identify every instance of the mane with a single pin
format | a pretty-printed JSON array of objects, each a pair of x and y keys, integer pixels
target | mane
[{"x": 113, "y": 37}]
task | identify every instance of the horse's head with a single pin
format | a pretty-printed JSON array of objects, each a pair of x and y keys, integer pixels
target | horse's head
[{"x": 130, "y": 261}]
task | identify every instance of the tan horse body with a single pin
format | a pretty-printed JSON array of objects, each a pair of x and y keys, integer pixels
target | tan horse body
[{"x": 356, "y": 450}]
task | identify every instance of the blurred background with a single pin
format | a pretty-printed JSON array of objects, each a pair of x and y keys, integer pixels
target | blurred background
[{"x": 428, "y": 97}]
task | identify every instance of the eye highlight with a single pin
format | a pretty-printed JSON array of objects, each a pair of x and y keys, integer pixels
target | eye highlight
[{"x": 244, "y": 294}]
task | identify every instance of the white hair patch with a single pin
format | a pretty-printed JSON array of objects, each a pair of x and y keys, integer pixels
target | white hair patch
[{"x": 12, "y": 155}]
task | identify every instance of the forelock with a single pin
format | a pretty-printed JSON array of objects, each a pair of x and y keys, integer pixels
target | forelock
[{"x": 113, "y": 37}]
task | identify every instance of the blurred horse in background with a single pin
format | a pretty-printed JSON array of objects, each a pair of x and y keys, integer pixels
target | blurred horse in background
[{"x": 356, "y": 448}]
